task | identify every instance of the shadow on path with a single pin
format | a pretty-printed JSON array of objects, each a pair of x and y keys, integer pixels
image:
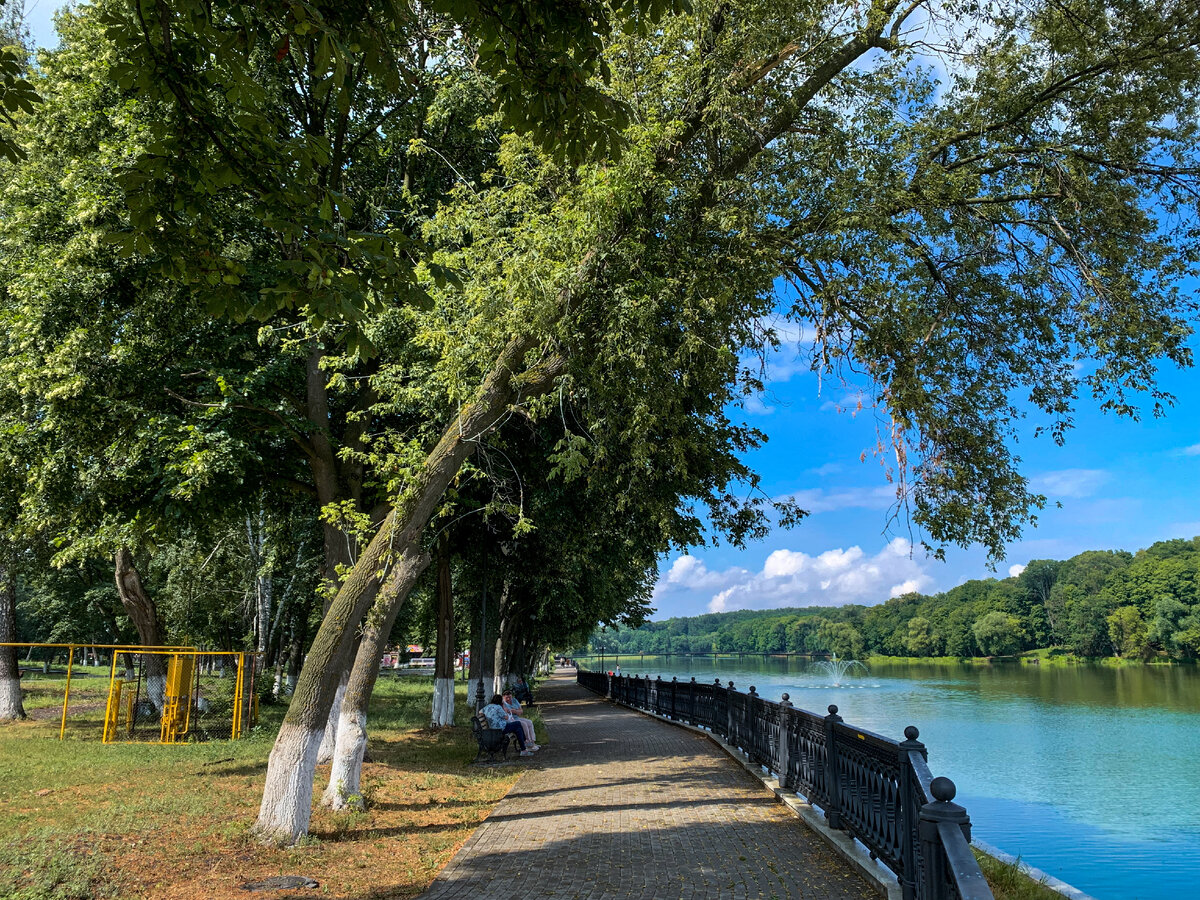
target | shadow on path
[{"x": 622, "y": 806}]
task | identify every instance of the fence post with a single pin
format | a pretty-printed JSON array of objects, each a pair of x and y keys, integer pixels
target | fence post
[
  {"x": 935, "y": 883},
  {"x": 692, "y": 701},
  {"x": 608, "y": 680},
  {"x": 657, "y": 706},
  {"x": 750, "y": 722},
  {"x": 674, "y": 689},
  {"x": 909, "y": 812},
  {"x": 832, "y": 780},
  {"x": 730, "y": 733},
  {"x": 781, "y": 741}
]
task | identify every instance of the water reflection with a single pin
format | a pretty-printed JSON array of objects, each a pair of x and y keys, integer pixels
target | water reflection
[{"x": 1087, "y": 772}]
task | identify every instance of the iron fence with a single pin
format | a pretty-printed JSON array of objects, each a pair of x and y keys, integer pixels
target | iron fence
[{"x": 876, "y": 789}]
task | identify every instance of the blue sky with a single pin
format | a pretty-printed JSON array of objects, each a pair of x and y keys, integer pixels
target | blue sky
[{"x": 1121, "y": 485}]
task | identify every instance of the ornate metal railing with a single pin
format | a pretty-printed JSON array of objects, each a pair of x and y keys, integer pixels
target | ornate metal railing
[{"x": 878, "y": 790}]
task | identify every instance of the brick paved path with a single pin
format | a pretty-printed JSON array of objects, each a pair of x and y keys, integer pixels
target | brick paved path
[{"x": 619, "y": 805}]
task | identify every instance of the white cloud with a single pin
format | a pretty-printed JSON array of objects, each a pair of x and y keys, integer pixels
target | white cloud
[
  {"x": 1016, "y": 569},
  {"x": 1074, "y": 483},
  {"x": 819, "y": 500},
  {"x": 794, "y": 578},
  {"x": 1193, "y": 450},
  {"x": 830, "y": 468},
  {"x": 853, "y": 402}
]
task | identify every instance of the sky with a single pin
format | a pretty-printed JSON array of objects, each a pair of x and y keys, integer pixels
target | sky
[{"x": 1117, "y": 484}]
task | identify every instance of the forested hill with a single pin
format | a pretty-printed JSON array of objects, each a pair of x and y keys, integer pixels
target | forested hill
[{"x": 1099, "y": 603}]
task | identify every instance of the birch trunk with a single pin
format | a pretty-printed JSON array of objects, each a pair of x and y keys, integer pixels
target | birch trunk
[
  {"x": 10, "y": 680},
  {"x": 345, "y": 775},
  {"x": 287, "y": 795}
]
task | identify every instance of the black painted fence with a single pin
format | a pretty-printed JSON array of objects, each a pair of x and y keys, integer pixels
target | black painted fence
[{"x": 878, "y": 790}]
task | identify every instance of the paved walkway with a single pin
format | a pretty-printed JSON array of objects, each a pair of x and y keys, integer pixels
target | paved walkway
[{"x": 619, "y": 805}]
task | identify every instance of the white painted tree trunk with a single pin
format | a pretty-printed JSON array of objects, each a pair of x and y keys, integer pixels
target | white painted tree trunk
[
  {"x": 443, "y": 702},
  {"x": 10, "y": 682},
  {"x": 287, "y": 794},
  {"x": 329, "y": 738},
  {"x": 345, "y": 776}
]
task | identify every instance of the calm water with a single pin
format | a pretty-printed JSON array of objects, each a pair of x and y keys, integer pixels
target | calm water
[{"x": 1089, "y": 773}]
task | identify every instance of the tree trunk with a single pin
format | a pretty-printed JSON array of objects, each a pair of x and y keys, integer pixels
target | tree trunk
[
  {"x": 345, "y": 775},
  {"x": 443, "y": 675},
  {"x": 287, "y": 794},
  {"x": 141, "y": 609},
  {"x": 10, "y": 681}
]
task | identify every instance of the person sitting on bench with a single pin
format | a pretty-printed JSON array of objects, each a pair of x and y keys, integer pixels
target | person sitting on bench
[
  {"x": 521, "y": 691},
  {"x": 500, "y": 719},
  {"x": 513, "y": 708}
]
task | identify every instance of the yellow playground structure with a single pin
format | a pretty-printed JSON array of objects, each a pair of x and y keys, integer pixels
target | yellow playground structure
[{"x": 166, "y": 695}]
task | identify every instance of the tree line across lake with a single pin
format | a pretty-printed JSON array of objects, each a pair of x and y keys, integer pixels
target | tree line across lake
[{"x": 1142, "y": 605}]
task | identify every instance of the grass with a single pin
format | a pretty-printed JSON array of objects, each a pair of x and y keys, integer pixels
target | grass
[
  {"x": 1008, "y": 882},
  {"x": 80, "y": 819}
]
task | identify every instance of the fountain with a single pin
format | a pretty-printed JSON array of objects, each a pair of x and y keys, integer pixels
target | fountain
[{"x": 837, "y": 669}]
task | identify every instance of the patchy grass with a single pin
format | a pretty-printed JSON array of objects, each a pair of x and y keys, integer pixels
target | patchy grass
[
  {"x": 1008, "y": 882},
  {"x": 79, "y": 819}
]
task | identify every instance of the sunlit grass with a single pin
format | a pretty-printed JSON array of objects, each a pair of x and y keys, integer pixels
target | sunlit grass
[{"x": 84, "y": 819}]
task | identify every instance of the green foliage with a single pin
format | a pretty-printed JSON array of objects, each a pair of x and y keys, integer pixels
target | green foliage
[{"x": 1101, "y": 600}]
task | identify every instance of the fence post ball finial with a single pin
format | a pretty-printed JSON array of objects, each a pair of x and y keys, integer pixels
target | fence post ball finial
[
  {"x": 833, "y": 709},
  {"x": 943, "y": 789},
  {"x": 911, "y": 733},
  {"x": 752, "y": 689}
]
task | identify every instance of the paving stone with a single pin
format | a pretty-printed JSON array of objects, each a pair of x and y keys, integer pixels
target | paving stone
[{"x": 619, "y": 805}]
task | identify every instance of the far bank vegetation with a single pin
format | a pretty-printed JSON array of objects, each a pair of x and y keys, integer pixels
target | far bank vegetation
[{"x": 1102, "y": 603}]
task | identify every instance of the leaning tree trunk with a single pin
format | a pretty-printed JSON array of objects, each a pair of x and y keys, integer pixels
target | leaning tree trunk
[
  {"x": 286, "y": 806},
  {"x": 443, "y": 674},
  {"x": 345, "y": 775},
  {"x": 10, "y": 679},
  {"x": 141, "y": 609}
]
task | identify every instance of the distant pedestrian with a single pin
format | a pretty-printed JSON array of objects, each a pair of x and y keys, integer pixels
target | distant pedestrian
[{"x": 618, "y": 672}]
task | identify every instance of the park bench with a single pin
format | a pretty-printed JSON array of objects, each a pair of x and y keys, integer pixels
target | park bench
[{"x": 491, "y": 741}]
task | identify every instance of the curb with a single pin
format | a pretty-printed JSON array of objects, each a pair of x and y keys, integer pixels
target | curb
[{"x": 1055, "y": 884}]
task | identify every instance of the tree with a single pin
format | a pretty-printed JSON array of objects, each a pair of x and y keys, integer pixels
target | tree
[
  {"x": 959, "y": 247},
  {"x": 921, "y": 640},
  {"x": 999, "y": 634},
  {"x": 841, "y": 639},
  {"x": 1127, "y": 631}
]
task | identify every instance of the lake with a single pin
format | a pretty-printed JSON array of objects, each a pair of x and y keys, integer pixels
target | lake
[{"x": 1090, "y": 773}]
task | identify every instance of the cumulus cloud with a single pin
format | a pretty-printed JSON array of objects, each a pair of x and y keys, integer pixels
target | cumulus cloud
[
  {"x": 1193, "y": 450},
  {"x": 793, "y": 578},
  {"x": 1015, "y": 570},
  {"x": 1074, "y": 483}
]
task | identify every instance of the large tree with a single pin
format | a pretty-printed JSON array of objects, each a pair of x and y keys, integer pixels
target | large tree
[
  {"x": 960, "y": 245},
  {"x": 956, "y": 246}
]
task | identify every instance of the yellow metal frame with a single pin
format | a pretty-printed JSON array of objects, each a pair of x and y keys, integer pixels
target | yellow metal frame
[{"x": 177, "y": 702}]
